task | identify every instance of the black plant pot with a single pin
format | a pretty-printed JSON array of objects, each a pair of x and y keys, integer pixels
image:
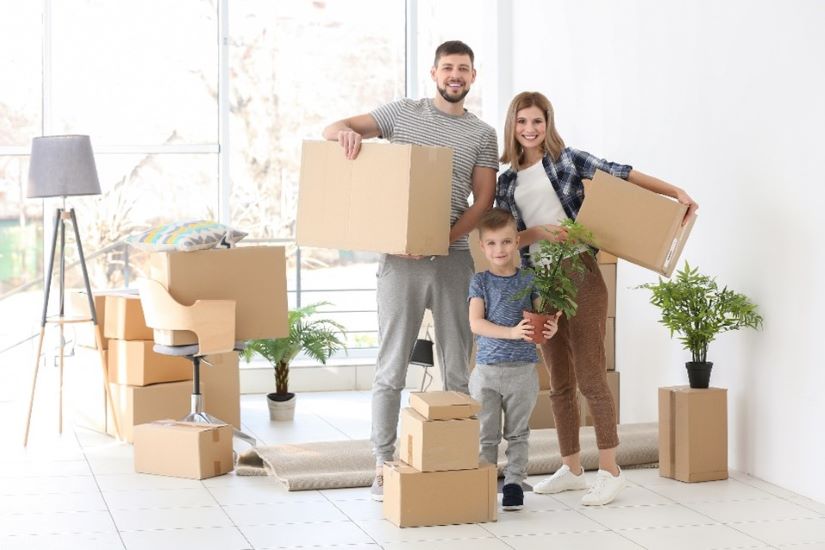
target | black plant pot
[{"x": 699, "y": 374}]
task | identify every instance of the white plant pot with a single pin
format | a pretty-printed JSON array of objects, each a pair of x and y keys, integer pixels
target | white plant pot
[{"x": 281, "y": 410}]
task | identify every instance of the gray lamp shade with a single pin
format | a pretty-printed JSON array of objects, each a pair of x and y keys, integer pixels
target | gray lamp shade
[{"x": 62, "y": 166}]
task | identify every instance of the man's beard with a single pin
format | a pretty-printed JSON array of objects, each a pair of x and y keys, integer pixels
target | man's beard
[{"x": 452, "y": 98}]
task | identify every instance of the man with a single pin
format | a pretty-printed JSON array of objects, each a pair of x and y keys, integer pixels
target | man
[{"x": 407, "y": 285}]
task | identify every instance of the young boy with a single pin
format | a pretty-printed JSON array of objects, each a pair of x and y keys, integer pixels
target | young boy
[{"x": 505, "y": 377}]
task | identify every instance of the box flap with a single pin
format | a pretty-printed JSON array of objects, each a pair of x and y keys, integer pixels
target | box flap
[{"x": 441, "y": 405}]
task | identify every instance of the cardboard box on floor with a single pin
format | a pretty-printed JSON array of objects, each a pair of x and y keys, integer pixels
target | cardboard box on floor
[
  {"x": 337, "y": 198},
  {"x": 183, "y": 449},
  {"x": 124, "y": 317},
  {"x": 77, "y": 305},
  {"x": 134, "y": 363},
  {"x": 635, "y": 224},
  {"x": 438, "y": 445},
  {"x": 693, "y": 433},
  {"x": 220, "y": 387},
  {"x": 254, "y": 276},
  {"x": 417, "y": 499},
  {"x": 444, "y": 405}
]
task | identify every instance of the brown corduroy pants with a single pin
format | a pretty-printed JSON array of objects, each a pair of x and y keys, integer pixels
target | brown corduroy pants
[{"x": 575, "y": 357}]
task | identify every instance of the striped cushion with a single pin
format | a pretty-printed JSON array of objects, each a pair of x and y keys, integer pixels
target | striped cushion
[{"x": 187, "y": 236}]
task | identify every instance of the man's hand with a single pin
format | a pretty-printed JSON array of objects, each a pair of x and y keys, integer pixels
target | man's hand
[
  {"x": 522, "y": 331},
  {"x": 350, "y": 140}
]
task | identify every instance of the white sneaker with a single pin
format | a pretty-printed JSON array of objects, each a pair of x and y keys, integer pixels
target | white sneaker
[
  {"x": 562, "y": 480},
  {"x": 606, "y": 488}
]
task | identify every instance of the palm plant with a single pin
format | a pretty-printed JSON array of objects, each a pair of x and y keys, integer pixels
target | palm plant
[{"x": 318, "y": 338}]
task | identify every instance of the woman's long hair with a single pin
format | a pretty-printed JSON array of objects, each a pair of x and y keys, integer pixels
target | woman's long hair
[{"x": 513, "y": 151}]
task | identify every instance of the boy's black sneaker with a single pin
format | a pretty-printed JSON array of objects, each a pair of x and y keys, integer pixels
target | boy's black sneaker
[{"x": 512, "y": 497}]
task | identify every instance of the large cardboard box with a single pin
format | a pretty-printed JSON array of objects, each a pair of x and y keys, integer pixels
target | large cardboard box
[
  {"x": 438, "y": 445},
  {"x": 635, "y": 224},
  {"x": 133, "y": 362},
  {"x": 415, "y": 499},
  {"x": 443, "y": 405},
  {"x": 221, "y": 387},
  {"x": 77, "y": 305},
  {"x": 141, "y": 404},
  {"x": 254, "y": 276},
  {"x": 337, "y": 198},
  {"x": 124, "y": 317},
  {"x": 183, "y": 449},
  {"x": 613, "y": 384},
  {"x": 693, "y": 433}
]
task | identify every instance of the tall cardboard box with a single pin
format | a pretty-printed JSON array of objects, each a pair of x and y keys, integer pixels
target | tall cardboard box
[
  {"x": 438, "y": 445},
  {"x": 415, "y": 499},
  {"x": 77, "y": 305},
  {"x": 183, "y": 449},
  {"x": 693, "y": 433},
  {"x": 337, "y": 198},
  {"x": 635, "y": 224},
  {"x": 444, "y": 405},
  {"x": 221, "y": 387},
  {"x": 124, "y": 317},
  {"x": 133, "y": 362},
  {"x": 254, "y": 276}
]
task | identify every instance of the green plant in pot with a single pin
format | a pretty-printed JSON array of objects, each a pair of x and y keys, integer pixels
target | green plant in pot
[
  {"x": 556, "y": 266},
  {"x": 693, "y": 306},
  {"x": 318, "y": 338}
]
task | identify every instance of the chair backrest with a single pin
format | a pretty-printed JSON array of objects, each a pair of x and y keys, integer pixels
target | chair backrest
[{"x": 212, "y": 321}]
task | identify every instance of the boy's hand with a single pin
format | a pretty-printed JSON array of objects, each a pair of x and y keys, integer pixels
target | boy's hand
[
  {"x": 522, "y": 331},
  {"x": 551, "y": 327}
]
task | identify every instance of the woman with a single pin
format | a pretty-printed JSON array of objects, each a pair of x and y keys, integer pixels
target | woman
[{"x": 543, "y": 187}]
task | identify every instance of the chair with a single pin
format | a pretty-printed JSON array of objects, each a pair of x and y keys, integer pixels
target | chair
[{"x": 212, "y": 321}]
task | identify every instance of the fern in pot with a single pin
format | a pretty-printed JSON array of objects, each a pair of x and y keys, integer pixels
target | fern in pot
[
  {"x": 693, "y": 306},
  {"x": 318, "y": 338}
]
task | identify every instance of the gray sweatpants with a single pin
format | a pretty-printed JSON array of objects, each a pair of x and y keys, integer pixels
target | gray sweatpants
[
  {"x": 405, "y": 289},
  {"x": 511, "y": 388}
]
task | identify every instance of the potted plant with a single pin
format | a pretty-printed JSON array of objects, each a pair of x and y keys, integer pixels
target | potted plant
[
  {"x": 318, "y": 338},
  {"x": 556, "y": 265},
  {"x": 694, "y": 306}
]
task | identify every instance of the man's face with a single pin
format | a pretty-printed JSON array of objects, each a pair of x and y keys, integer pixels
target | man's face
[{"x": 453, "y": 76}]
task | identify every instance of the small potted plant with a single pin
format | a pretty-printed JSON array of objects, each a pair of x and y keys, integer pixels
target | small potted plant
[
  {"x": 556, "y": 265},
  {"x": 694, "y": 306},
  {"x": 318, "y": 338}
]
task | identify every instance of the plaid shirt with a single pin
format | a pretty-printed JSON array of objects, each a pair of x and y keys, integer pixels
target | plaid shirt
[{"x": 565, "y": 176}]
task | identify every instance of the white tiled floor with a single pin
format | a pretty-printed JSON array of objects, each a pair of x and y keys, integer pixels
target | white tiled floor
[{"x": 80, "y": 491}]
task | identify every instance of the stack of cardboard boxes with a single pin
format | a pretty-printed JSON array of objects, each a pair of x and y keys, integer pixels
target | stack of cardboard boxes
[{"x": 438, "y": 479}]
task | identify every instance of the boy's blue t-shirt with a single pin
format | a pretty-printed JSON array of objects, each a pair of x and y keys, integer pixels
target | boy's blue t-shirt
[{"x": 501, "y": 308}]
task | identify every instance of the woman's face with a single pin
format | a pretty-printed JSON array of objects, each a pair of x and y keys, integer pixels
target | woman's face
[{"x": 531, "y": 127}]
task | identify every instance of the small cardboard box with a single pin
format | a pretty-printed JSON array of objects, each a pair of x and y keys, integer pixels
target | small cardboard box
[
  {"x": 134, "y": 363},
  {"x": 416, "y": 499},
  {"x": 444, "y": 405},
  {"x": 613, "y": 383},
  {"x": 610, "y": 344},
  {"x": 438, "y": 445},
  {"x": 635, "y": 224},
  {"x": 337, "y": 198},
  {"x": 183, "y": 449},
  {"x": 124, "y": 317},
  {"x": 693, "y": 433},
  {"x": 254, "y": 276},
  {"x": 77, "y": 305}
]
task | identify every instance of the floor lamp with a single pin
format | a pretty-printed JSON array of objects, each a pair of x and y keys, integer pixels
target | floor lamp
[{"x": 63, "y": 166}]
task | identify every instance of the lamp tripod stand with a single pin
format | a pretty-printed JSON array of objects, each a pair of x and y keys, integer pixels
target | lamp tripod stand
[{"x": 62, "y": 166}]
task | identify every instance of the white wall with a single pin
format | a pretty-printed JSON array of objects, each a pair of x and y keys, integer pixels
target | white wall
[{"x": 726, "y": 100}]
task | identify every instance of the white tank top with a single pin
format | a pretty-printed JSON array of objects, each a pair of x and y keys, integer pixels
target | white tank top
[{"x": 537, "y": 200}]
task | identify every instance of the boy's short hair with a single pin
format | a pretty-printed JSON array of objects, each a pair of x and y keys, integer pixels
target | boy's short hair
[
  {"x": 452, "y": 47},
  {"x": 496, "y": 219}
]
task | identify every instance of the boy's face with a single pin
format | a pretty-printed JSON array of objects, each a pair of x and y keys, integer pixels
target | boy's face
[{"x": 500, "y": 245}]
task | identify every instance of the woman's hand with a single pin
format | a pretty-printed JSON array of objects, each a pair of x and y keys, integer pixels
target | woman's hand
[
  {"x": 551, "y": 327},
  {"x": 522, "y": 331},
  {"x": 685, "y": 199},
  {"x": 550, "y": 232}
]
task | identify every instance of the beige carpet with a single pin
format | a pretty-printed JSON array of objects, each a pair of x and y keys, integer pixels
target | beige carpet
[{"x": 339, "y": 464}]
